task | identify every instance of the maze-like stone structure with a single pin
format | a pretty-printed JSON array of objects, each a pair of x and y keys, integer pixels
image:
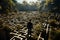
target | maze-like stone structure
[
  {"x": 18, "y": 21},
  {"x": 21, "y": 35}
]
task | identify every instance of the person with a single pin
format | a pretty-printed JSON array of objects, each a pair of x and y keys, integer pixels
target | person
[{"x": 29, "y": 26}]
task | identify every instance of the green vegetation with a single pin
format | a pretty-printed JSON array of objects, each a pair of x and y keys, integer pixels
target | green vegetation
[
  {"x": 55, "y": 35},
  {"x": 6, "y": 6}
]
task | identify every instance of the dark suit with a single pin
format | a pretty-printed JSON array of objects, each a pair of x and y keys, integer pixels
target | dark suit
[{"x": 29, "y": 26}]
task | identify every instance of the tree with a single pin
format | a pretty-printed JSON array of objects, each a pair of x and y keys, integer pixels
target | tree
[
  {"x": 54, "y": 6},
  {"x": 6, "y": 5}
]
